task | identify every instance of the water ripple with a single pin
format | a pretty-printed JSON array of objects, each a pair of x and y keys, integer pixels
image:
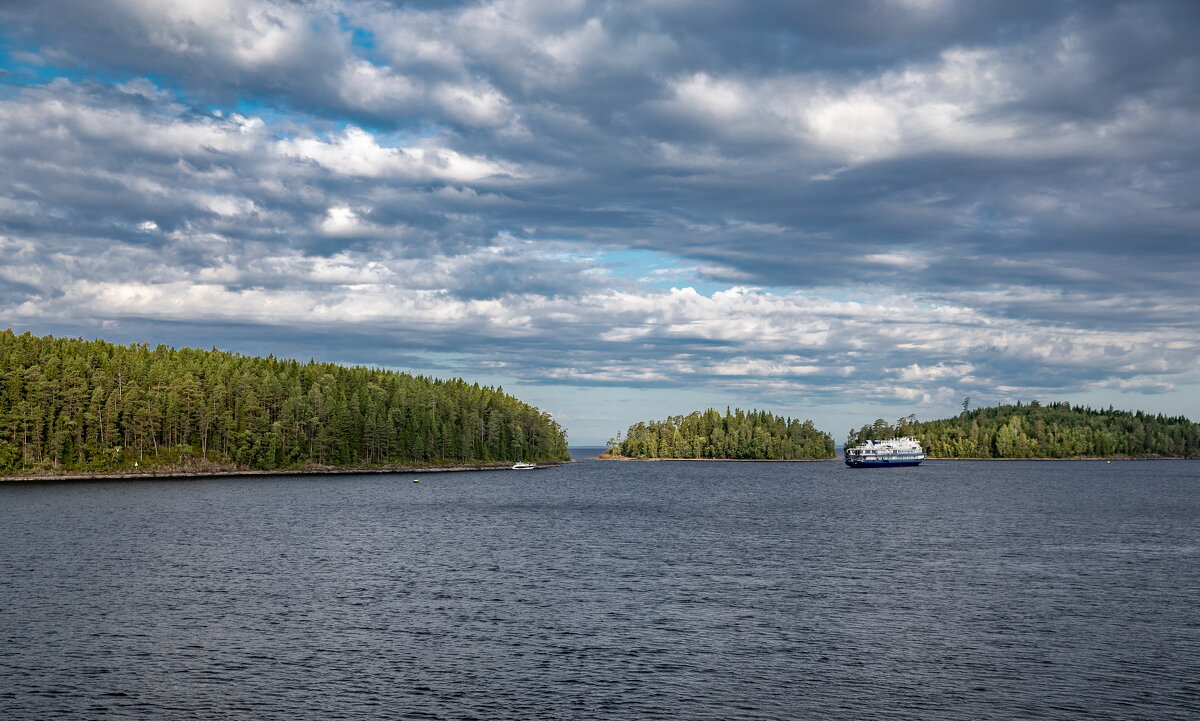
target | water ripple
[{"x": 610, "y": 591}]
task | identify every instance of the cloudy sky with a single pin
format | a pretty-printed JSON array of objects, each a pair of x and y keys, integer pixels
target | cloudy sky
[{"x": 619, "y": 211}]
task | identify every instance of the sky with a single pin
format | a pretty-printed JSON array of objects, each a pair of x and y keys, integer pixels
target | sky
[{"x": 622, "y": 211}]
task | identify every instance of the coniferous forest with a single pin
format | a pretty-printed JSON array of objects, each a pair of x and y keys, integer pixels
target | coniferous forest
[
  {"x": 743, "y": 435},
  {"x": 75, "y": 405},
  {"x": 1033, "y": 430}
]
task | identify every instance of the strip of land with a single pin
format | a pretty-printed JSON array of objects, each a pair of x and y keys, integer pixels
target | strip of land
[
  {"x": 1074, "y": 458},
  {"x": 826, "y": 460},
  {"x": 168, "y": 473},
  {"x": 722, "y": 460}
]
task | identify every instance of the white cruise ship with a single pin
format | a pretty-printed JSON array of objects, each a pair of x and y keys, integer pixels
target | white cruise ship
[{"x": 879, "y": 454}]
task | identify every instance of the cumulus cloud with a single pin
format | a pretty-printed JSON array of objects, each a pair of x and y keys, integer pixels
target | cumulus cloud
[
  {"x": 357, "y": 153},
  {"x": 900, "y": 201},
  {"x": 604, "y": 336}
]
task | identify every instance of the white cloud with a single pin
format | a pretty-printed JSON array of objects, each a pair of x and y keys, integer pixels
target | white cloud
[
  {"x": 478, "y": 104},
  {"x": 940, "y": 371},
  {"x": 247, "y": 34},
  {"x": 957, "y": 103},
  {"x": 358, "y": 153},
  {"x": 365, "y": 86},
  {"x": 907, "y": 260},
  {"x": 342, "y": 221},
  {"x": 748, "y": 333},
  {"x": 68, "y": 117}
]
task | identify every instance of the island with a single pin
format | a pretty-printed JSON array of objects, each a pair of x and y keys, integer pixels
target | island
[
  {"x": 1052, "y": 431},
  {"x": 78, "y": 407},
  {"x": 737, "y": 435}
]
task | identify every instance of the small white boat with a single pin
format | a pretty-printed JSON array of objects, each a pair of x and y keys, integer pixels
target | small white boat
[{"x": 523, "y": 466}]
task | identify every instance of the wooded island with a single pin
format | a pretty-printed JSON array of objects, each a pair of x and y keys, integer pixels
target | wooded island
[
  {"x": 69, "y": 405},
  {"x": 1033, "y": 430},
  {"x": 737, "y": 435}
]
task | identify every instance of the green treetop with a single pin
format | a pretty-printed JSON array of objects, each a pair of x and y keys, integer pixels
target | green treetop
[{"x": 738, "y": 434}]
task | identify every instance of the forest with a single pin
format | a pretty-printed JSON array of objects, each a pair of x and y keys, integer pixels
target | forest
[
  {"x": 746, "y": 435},
  {"x": 1033, "y": 430},
  {"x": 75, "y": 405}
]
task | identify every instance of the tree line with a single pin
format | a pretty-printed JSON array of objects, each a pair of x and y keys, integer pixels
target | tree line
[
  {"x": 1033, "y": 430},
  {"x": 76, "y": 405},
  {"x": 738, "y": 434}
]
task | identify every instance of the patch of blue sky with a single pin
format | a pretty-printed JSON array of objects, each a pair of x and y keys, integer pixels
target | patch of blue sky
[
  {"x": 24, "y": 66},
  {"x": 389, "y": 136},
  {"x": 282, "y": 121},
  {"x": 21, "y": 64},
  {"x": 287, "y": 123},
  {"x": 361, "y": 39},
  {"x": 655, "y": 269}
]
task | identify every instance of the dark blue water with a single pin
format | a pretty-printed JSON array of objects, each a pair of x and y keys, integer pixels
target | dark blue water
[{"x": 956, "y": 590}]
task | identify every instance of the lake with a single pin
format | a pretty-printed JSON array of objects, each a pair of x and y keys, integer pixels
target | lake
[{"x": 606, "y": 590}]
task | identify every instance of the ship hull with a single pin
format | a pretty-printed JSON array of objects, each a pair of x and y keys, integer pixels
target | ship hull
[{"x": 880, "y": 463}]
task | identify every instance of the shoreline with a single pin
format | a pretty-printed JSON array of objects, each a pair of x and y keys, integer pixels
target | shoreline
[
  {"x": 717, "y": 460},
  {"x": 1073, "y": 458},
  {"x": 842, "y": 458},
  {"x": 182, "y": 474}
]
